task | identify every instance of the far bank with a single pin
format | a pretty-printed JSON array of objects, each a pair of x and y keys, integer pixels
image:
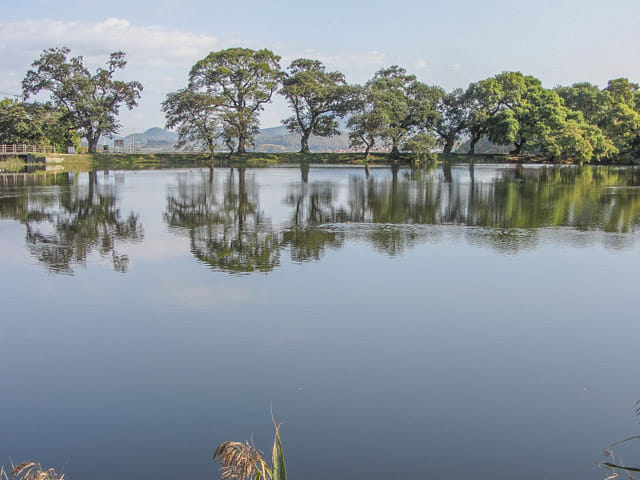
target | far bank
[{"x": 144, "y": 161}]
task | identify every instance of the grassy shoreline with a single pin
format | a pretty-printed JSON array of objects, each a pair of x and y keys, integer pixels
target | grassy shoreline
[{"x": 150, "y": 161}]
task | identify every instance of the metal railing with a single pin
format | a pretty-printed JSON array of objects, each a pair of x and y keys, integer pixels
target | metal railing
[{"x": 4, "y": 149}]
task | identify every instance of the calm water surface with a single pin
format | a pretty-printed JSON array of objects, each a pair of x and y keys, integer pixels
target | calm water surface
[{"x": 445, "y": 324}]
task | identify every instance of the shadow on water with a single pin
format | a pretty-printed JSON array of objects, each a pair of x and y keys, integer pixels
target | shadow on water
[
  {"x": 66, "y": 224},
  {"x": 503, "y": 208}
]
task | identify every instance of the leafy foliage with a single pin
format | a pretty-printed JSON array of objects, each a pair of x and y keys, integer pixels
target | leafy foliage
[
  {"x": 403, "y": 104},
  {"x": 366, "y": 122},
  {"x": 37, "y": 123},
  {"x": 455, "y": 110},
  {"x": 238, "y": 81},
  {"x": 195, "y": 116},
  {"x": 317, "y": 98},
  {"x": 420, "y": 146},
  {"x": 91, "y": 102}
]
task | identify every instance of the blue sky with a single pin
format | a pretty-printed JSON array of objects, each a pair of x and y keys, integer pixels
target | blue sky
[{"x": 444, "y": 43}]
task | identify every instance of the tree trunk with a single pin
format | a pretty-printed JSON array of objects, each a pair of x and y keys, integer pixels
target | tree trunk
[
  {"x": 241, "y": 145},
  {"x": 366, "y": 152},
  {"x": 304, "y": 142},
  {"x": 518, "y": 148},
  {"x": 449, "y": 142},
  {"x": 93, "y": 143},
  {"x": 472, "y": 143}
]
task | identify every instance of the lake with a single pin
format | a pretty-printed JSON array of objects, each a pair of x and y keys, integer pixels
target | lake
[{"x": 460, "y": 322}]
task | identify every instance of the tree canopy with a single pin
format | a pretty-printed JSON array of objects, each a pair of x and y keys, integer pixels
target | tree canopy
[
  {"x": 228, "y": 89},
  {"x": 91, "y": 102},
  {"x": 239, "y": 81},
  {"x": 404, "y": 104},
  {"x": 195, "y": 116},
  {"x": 35, "y": 123},
  {"x": 317, "y": 98}
]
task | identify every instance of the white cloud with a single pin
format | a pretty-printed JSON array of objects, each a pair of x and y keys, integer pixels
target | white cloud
[
  {"x": 159, "y": 57},
  {"x": 421, "y": 64},
  {"x": 147, "y": 46}
]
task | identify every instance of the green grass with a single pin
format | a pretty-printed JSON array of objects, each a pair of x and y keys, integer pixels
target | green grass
[
  {"x": 150, "y": 161},
  {"x": 146, "y": 161}
]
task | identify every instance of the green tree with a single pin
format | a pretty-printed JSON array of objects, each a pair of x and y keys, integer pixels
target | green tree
[
  {"x": 484, "y": 100},
  {"x": 240, "y": 81},
  {"x": 421, "y": 146},
  {"x": 317, "y": 98},
  {"x": 404, "y": 104},
  {"x": 455, "y": 110},
  {"x": 366, "y": 123},
  {"x": 621, "y": 117},
  {"x": 91, "y": 101},
  {"x": 39, "y": 123},
  {"x": 576, "y": 139},
  {"x": 17, "y": 124},
  {"x": 615, "y": 110},
  {"x": 195, "y": 116},
  {"x": 529, "y": 114},
  {"x": 586, "y": 98}
]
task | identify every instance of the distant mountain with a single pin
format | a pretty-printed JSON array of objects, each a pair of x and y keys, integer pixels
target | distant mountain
[
  {"x": 484, "y": 146},
  {"x": 279, "y": 139},
  {"x": 152, "y": 134},
  {"x": 273, "y": 140}
]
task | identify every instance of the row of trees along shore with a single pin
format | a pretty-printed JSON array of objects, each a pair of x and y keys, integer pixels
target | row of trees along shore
[{"x": 227, "y": 90}]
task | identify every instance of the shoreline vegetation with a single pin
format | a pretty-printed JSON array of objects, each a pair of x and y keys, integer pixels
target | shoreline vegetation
[
  {"x": 220, "y": 108},
  {"x": 150, "y": 161}
]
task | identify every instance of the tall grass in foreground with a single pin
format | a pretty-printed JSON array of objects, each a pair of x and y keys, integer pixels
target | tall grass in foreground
[
  {"x": 242, "y": 461},
  {"x": 239, "y": 461},
  {"x": 31, "y": 471},
  {"x": 617, "y": 465}
]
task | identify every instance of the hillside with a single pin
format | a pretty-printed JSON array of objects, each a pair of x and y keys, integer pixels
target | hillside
[
  {"x": 279, "y": 139},
  {"x": 484, "y": 146},
  {"x": 275, "y": 139}
]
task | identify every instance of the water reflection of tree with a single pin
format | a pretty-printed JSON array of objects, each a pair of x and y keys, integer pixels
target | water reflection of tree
[
  {"x": 227, "y": 229},
  {"x": 504, "y": 208},
  {"x": 584, "y": 199},
  {"x": 66, "y": 224},
  {"x": 309, "y": 233}
]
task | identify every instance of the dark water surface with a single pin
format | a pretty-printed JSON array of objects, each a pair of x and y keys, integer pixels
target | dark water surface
[{"x": 445, "y": 324}]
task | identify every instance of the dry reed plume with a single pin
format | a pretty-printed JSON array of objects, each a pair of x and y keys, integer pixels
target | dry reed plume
[
  {"x": 242, "y": 461},
  {"x": 239, "y": 460},
  {"x": 31, "y": 471}
]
